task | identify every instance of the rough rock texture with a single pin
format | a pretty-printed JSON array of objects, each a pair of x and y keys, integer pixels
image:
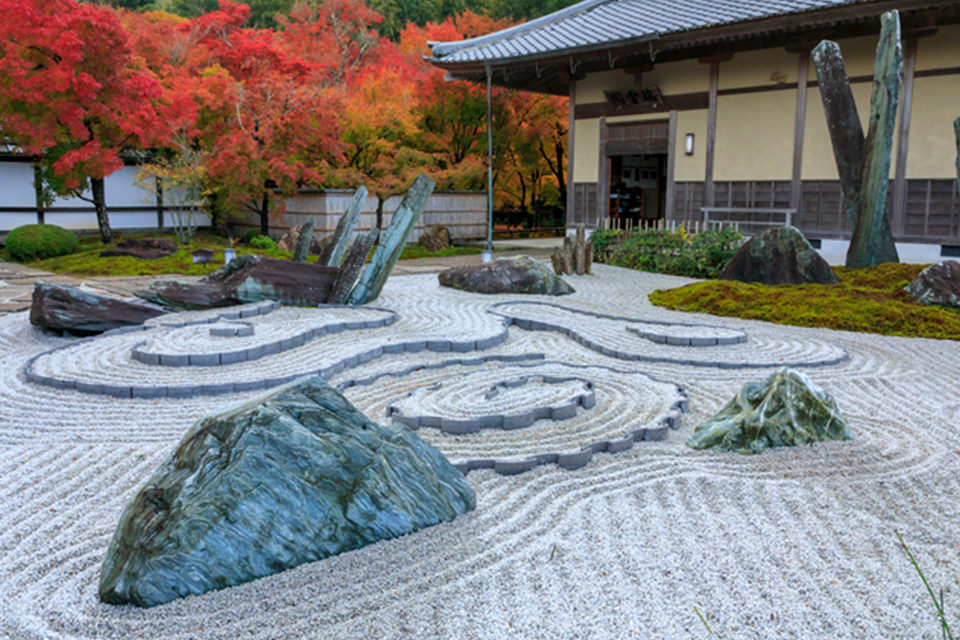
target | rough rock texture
[
  {"x": 289, "y": 477},
  {"x": 143, "y": 248},
  {"x": 435, "y": 238},
  {"x": 521, "y": 274},
  {"x": 288, "y": 241},
  {"x": 938, "y": 284},
  {"x": 780, "y": 255},
  {"x": 64, "y": 308},
  {"x": 336, "y": 248},
  {"x": 248, "y": 279},
  {"x": 304, "y": 241},
  {"x": 786, "y": 409}
]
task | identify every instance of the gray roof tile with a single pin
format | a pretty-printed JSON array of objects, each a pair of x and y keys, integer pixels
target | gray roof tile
[{"x": 596, "y": 22}]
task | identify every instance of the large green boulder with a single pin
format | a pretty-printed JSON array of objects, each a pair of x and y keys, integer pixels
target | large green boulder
[
  {"x": 292, "y": 476},
  {"x": 786, "y": 409},
  {"x": 780, "y": 255},
  {"x": 521, "y": 274}
]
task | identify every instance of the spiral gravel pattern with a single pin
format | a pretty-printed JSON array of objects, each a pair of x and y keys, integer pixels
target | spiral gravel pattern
[{"x": 793, "y": 543}]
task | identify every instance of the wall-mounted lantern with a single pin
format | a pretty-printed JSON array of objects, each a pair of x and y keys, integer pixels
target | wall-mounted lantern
[{"x": 688, "y": 144}]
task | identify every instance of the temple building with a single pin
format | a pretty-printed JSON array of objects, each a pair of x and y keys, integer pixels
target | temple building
[{"x": 684, "y": 110}]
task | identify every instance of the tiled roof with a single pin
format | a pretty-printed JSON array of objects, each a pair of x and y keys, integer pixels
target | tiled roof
[{"x": 600, "y": 23}]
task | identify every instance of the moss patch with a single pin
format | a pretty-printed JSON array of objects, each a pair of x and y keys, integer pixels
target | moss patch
[
  {"x": 87, "y": 261},
  {"x": 866, "y": 300}
]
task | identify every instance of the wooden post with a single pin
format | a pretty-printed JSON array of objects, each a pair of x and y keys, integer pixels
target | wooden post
[
  {"x": 708, "y": 189},
  {"x": 668, "y": 211},
  {"x": 571, "y": 215},
  {"x": 899, "y": 217},
  {"x": 603, "y": 175},
  {"x": 796, "y": 184},
  {"x": 159, "y": 190}
]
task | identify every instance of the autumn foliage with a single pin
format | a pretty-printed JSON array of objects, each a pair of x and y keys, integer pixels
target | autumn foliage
[{"x": 321, "y": 100}]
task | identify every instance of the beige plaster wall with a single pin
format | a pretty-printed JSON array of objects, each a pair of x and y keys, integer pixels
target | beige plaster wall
[
  {"x": 936, "y": 104},
  {"x": 755, "y": 136},
  {"x": 941, "y": 50},
  {"x": 691, "y": 168},
  {"x": 764, "y": 68},
  {"x": 586, "y": 150}
]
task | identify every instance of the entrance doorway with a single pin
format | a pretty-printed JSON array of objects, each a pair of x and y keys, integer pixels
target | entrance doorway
[{"x": 638, "y": 184}]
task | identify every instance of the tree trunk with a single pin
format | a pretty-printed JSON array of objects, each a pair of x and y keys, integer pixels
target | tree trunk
[
  {"x": 379, "y": 212},
  {"x": 265, "y": 213},
  {"x": 100, "y": 204},
  {"x": 38, "y": 192}
]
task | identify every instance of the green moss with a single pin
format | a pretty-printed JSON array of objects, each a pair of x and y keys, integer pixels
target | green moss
[
  {"x": 413, "y": 251},
  {"x": 866, "y": 300}
]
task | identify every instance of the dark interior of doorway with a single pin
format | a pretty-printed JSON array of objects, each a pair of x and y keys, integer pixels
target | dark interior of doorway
[{"x": 638, "y": 185}]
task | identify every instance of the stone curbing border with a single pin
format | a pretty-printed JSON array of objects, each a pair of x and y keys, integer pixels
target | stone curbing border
[
  {"x": 660, "y": 338},
  {"x": 536, "y": 325},
  {"x": 260, "y": 351},
  {"x": 567, "y": 460},
  {"x": 187, "y": 391},
  {"x": 586, "y": 400}
]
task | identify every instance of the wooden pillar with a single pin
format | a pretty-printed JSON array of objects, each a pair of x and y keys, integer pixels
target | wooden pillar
[
  {"x": 603, "y": 177},
  {"x": 708, "y": 190},
  {"x": 898, "y": 210},
  {"x": 796, "y": 182},
  {"x": 38, "y": 193},
  {"x": 668, "y": 206},
  {"x": 159, "y": 191},
  {"x": 571, "y": 126}
]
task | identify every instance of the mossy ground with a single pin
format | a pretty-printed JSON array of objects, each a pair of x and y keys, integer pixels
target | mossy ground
[
  {"x": 866, "y": 300},
  {"x": 87, "y": 261}
]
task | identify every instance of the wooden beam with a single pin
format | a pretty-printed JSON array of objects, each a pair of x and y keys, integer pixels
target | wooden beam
[
  {"x": 668, "y": 212},
  {"x": 715, "y": 58},
  {"x": 676, "y": 102},
  {"x": 708, "y": 190},
  {"x": 898, "y": 210},
  {"x": 571, "y": 127},
  {"x": 796, "y": 183},
  {"x": 603, "y": 177}
]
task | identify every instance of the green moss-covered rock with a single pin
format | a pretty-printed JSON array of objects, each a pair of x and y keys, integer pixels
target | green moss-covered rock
[
  {"x": 40, "y": 241},
  {"x": 780, "y": 255},
  {"x": 786, "y": 409},
  {"x": 521, "y": 274},
  {"x": 292, "y": 476}
]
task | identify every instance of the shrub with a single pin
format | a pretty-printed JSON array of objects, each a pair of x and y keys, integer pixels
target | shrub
[
  {"x": 249, "y": 235},
  {"x": 40, "y": 241},
  {"x": 262, "y": 242},
  {"x": 675, "y": 252},
  {"x": 603, "y": 240}
]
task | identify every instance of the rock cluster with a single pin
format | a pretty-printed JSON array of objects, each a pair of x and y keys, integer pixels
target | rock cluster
[
  {"x": 521, "y": 274},
  {"x": 293, "y": 476},
  {"x": 64, "y": 308},
  {"x": 435, "y": 238},
  {"x": 780, "y": 255},
  {"x": 576, "y": 255},
  {"x": 938, "y": 284},
  {"x": 786, "y": 409}
]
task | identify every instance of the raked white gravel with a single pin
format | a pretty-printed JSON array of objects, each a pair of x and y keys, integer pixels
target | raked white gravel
[{"x": 793, "y": 543}]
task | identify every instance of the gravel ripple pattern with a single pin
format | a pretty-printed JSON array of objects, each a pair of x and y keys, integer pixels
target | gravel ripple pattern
[{"x": 793, "y": 543}]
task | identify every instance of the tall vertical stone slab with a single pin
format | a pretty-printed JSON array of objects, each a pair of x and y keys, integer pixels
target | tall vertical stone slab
[
  {"x": 304, "y": 240},
  {"x": 334, "y": 252},
  {"x": 843, "y": 123},
  {"x": 872, "y": 241},
  {"x": 352, "y": 265},
  {"x": 392, "y": 242}
]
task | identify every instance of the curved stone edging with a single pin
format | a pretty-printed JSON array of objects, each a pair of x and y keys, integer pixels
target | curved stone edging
[
  {"x": 536, "y": 325},
  {"x": 260, "y": 351},
  {"x": 186, "y": 391},
  {"x": 660, "y": 338},
  {"x": 566, "y": 460},
  {"x": 586, "y": 400}
]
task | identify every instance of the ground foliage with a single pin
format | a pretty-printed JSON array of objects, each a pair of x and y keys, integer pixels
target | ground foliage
[
  {"x": 676, "y": 252},
  {"x": 867, "y": 300},
  {"x": 40, "y": 241}
]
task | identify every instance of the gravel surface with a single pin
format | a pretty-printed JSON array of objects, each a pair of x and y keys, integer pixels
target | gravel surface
[{"x": 793, "y": 543}]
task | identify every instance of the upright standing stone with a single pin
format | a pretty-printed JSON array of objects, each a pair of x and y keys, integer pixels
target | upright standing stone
[
  {"x": 872, "y": 241},
  {"x": 304, "y": 240},
  {"x": 351, "y": 267},
  {"x": 334, "y": 252},
  {"x": 580, "y": 251},
  {"x": 567, "y": 256},
  {"x": 392, "y": 242},
  {"x": 863, "y": 165}
]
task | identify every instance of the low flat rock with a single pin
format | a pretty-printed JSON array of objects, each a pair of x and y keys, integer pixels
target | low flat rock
[
  {"x": 521, "y": 274},
  {"x": 938, "y": 284},
  {"x": 780, "y": 255},
  {"x": 784, "y": 410},
  {"x": 293, "y": 476},
  {"x": 248, "y": 279},
  {"x": 143, "y": 248},
  {"x": 60, "y": 308}
]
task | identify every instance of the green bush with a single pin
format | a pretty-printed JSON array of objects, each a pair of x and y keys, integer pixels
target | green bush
[
  {"x": 262, "y": 242},
  {"x": 40, "y": 241},
  {"x": 675, "y": 252},
  {"x": 249, "y": 235}
]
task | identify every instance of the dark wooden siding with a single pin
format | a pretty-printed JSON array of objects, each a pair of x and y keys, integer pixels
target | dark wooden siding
[{"x": 585, "y": 205}]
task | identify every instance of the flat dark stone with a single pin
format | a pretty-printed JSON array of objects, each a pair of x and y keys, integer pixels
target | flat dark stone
[
  {"x": 62, "y": 308},
  {"x": 143, "y": 248},
  {"x": 521, "y": 274}
]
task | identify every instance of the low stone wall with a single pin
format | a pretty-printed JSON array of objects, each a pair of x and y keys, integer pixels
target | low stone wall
[{"x": 464, "y": 213}]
